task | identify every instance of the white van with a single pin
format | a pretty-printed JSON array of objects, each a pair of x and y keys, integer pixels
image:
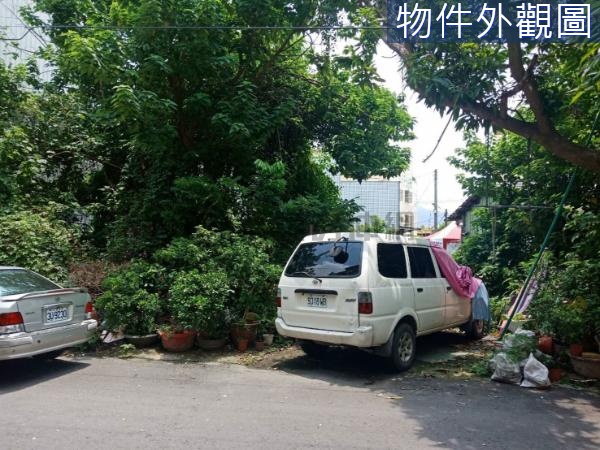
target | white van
[{"x": 372, "y": 291}]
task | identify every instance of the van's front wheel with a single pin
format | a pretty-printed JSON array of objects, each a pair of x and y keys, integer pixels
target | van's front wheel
[
  {"x": 404, "y": 347},
  {"x": 475, "y": 329}
]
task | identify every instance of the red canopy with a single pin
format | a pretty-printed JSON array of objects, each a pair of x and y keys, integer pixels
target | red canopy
[{"x": 447, "y": 235}]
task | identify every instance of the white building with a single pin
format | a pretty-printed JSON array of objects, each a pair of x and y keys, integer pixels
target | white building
[
  {"x": 390, "y": 199},
  {"x": 17, "y": 41}
]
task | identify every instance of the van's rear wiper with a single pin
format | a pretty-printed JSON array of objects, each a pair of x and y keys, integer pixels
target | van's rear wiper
[{"x": 309, "y": 275}]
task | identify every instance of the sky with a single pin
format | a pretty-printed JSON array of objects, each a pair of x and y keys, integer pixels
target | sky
[{"x": 428, "y": 128}]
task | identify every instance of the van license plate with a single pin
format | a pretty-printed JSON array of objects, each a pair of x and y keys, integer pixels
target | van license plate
[
  {"x": 317, "y": 301},
  {"x": 56, "y": 314}
]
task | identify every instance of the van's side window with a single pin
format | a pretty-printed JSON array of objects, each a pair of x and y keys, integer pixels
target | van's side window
[
  {"x": 391, "y": 260},
  {"x": 421, "y": 264}
]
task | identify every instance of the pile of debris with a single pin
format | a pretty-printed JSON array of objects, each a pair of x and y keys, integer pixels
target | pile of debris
[{"x": 519, "y": 361}]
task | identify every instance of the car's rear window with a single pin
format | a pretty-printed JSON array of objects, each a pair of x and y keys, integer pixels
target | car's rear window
[
  {"x": 19, "y": 281},
  {"x": 326, "y": 259}
]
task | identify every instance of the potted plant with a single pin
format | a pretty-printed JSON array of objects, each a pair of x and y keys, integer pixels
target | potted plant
[
  {"x": 197, "y": 301},
  {"x": 545, "y": 344},
  {"x": 245, "y": 328},
  {"x": 546, "y": 341},
  {"x": 178, "y": 334},
  {"x": 212, "y": 319},
  {"x": 134, "y": 313},
  {"x": 176, "y": 338},
  {"x": 267, "y": 331},
  {"x": 555, "y": 371},
  {"x": 242, "y": 344},
  {"x": 259, "y": 344}
]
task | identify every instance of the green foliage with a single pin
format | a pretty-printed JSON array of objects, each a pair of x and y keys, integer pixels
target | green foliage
[
  {"x": 375, "y": 225},
  {"x": 126, "y": 350},
  {"x": 199, "y": 301},
  {"x": 245, "y": 260},
  {"x": 519, "y": 346},
  {"x": 481, "y": 369},
  {"x": 130, "y": 301},
  {"x": 37, "y": 241},
  {"x": 203, "y": 283},
  {"x": 504, "y": 242},
  {"x": 179, "y": 128},
  {"x": 498, "y": 306},
  {"x": 569, "y": 302}
]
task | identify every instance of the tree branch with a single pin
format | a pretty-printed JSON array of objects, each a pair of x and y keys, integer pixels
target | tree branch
[
  {"x": 527, "y": 81},
  {"x": 542, "y": 131}
]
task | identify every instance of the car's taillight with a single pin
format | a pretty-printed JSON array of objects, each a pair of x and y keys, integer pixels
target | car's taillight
[
  {"x": 11, "y": 323},
  {"x": 90, "y": 312},
  {"x": 365, "y": 303},
  {"x": 278, "y": 298}
]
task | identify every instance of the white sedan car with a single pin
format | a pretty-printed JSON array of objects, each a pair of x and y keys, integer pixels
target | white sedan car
[{"x": 38, "y": 317}]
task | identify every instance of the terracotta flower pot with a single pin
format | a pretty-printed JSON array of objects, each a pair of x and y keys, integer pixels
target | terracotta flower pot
[
  {"x": 242, "y": 345},
  {"x": 586, "y": 366},
  {"x": 576, "y": 349},
  {"x": 545, "y": 344},
  {"x": 246, "y": 331},
  {"x": 555, "y": 374},
  {"x": 177, "y": 342}
]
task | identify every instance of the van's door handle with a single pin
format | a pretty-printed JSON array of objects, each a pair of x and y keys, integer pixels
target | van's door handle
[
  {"x": 419, "y": 289},
  {"x": 448, "y": 288}
]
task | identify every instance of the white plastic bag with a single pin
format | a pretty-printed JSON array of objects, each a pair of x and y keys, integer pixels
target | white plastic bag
[
  {"x": 535, "y": 374},
  {"x": 505, "y": 371}
]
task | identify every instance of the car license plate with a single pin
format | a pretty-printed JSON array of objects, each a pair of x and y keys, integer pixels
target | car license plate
[
  {"x": 319, "y": 301},
  {"x": 56, "y": 314}
]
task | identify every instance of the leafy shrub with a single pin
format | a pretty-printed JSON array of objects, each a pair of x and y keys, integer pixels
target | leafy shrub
[
  {"x": 131, "y": 298},
  {"x": 203, "y": 282},
  {"x": 199, "y": 301},
  {"x": 37, "y": 241},
  {"x": 568, "y": 305},
  {"x": 245, "y": 260}
]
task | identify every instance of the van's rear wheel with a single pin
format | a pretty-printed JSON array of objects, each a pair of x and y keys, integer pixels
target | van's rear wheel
[
  {"x": 404, "y": 347},
  {"x": 475, "y": 329},
  {"x": 312, "y": 348}
]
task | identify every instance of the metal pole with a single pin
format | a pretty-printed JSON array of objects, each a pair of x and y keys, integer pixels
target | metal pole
[
  {"x": 559, "y": 211},
  {"x": 435, "y": 200}
]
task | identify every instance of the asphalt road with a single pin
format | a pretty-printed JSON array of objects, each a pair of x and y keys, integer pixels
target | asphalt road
[{"x": 110, "y": 403}]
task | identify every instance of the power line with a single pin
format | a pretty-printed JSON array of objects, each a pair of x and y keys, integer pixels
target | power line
[{"x": 202, "y": 27}]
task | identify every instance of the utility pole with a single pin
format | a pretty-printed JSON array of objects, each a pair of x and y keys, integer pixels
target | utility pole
[{"x": 435, "y": 200}]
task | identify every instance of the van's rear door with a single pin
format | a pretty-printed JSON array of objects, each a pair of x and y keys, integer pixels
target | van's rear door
[{"x": 320, "y": 284}]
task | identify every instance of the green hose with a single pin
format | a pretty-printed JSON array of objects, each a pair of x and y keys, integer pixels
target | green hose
[{"x": 548, "y": 234}]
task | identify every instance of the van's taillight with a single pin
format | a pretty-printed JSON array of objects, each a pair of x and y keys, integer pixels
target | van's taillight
[
  {"x": 11, "y": 323},
  {"x": 90, "y": 312},
  {"x": 278, "y": 298},
  {"x": 365, "y": 303}
]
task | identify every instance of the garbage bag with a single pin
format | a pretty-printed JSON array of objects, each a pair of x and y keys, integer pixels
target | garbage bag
[
  {"x": 505, "y": 370},
  {"x": 535, "y": 374}
]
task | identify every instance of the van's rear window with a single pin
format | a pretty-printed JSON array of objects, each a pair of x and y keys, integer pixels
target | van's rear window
[{"x": 326, "y": 259}]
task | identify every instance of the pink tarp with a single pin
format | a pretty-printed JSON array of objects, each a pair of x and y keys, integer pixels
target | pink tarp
[{"x": 459, "y": 277}]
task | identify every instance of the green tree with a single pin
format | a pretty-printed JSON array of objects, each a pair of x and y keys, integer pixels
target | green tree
[{"x": 186, "y": 112}]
